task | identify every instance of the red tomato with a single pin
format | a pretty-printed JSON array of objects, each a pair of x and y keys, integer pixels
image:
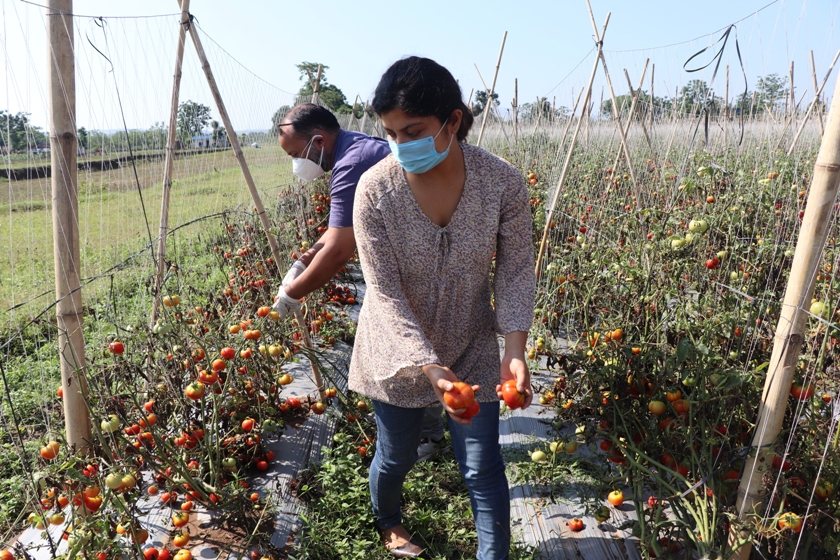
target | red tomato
[
  {"x": 116, "y": 347},
  {"x": 513, "y": 398},
  {"x": 471, "y": 411},
  {"x": 575, "y": 524},
  {"x": 460, "y": 396}
]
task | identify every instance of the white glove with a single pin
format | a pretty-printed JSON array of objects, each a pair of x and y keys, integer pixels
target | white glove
[
  {"x": 285, "y": 306},
  {"x": 296, "y": 270}
]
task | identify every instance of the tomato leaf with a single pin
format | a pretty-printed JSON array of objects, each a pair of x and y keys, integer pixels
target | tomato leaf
[{"x": 684, "y": 347}]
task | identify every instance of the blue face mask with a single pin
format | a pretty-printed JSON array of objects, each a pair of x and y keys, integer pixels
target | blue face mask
[{"x": 419, "y": 156}]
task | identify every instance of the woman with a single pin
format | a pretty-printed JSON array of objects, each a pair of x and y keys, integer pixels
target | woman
[{"x": 430, "y": 221}]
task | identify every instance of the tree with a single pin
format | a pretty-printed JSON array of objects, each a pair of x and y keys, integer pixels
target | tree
[
  {"x": 192, "y": 118},
  {"x": 278, "y": 117},
  {"x": 82, "y": 134},
  {"x": 481, "y": 101},
  {"x": 693, "y": 95},
  {"x": 771, "y": 91},
  {"x": 331, "y": 96},
  {"x": 21, "y": 134}
]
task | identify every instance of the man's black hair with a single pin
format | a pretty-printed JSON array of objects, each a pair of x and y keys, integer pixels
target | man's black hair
[{"x": 306, "y": 118}]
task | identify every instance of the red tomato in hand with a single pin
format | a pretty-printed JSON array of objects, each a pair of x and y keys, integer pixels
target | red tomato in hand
[
  {"x": 471, "y": 411},
  {"x": 460, "y": 396},
  {"x": 513, "y": 397}
]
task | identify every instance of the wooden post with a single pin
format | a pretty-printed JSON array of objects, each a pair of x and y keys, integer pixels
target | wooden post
[
  {"x": 515, "y": 110},
  {"x": 234, "y": 142},
  {"x": 539, "y": 114},
  {"x": 65, "y": 217},
  {"x": 652, "y": 107},
  {"x": 816, "y": 94},
  {"x": 568, "y": 124},
  {"x": 562, "y": 180},
  {"x": 725, "y": 106},
  {"x": 621, "y": 134},
  {"x": 792, "y": 96},
  {"x": 635, "y": 96},
  {"x": 790, "y": 330},
  {"x": 171, "y": 139},
  {"x": 364, "y": 118},
  {"x": 316, "y": 88},
  {"x": 492, "y": 90},
  {"x": 812, "y": 106}
]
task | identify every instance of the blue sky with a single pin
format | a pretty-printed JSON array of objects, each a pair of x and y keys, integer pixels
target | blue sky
[{"x": 546, "y": 40}]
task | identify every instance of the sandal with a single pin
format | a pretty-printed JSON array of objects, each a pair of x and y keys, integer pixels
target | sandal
[{"x": 408, "y": 549}]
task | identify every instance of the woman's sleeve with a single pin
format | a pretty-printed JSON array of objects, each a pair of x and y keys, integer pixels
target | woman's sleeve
[
  {"x": 399, "y": 338},
  {"x": 514, "y": 280}
]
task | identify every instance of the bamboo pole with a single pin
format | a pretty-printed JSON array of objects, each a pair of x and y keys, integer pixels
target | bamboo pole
[
  {"x": 492, "y": 90},
  {"x": 234, "y": 142},
  {"x": 562, "y": 180},
  {"x": 171, "y": 139},
  {"x": 790, "y": 330},
  {"x": 725, "y": 106},
  {"x": 249, "y": 180},
  {"x": 816, "y": 94},
  {"x": 569, "y": 124},
  {"x": 792, "y": 96},
  {"x": 492, "y": 106},
  {"x": 812, "y": 106},
  {"x": 635, "y": 95},
  {"x": 364, "y": 118},
  {"x": 652, "y": 107},
  {"x": 515, "y": 110},
  {"x": 65, "y": 218},
  {"x": 621, "y": 134},
  {"x": 316, "y": 88}
]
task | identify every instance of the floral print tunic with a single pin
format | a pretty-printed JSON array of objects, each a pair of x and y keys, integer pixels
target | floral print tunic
[{"x": 428, "y": 296}]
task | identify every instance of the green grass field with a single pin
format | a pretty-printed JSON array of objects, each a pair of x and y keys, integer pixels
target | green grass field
[{"x": 112, "y": 222}]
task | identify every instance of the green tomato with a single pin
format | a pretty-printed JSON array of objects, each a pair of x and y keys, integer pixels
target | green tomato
[{"x": 689, "y": 381}]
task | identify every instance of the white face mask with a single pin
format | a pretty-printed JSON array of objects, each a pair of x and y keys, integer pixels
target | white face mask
[{"x": 306, "y": 169}]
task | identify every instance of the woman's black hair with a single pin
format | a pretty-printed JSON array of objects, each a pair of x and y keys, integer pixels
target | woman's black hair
[{"x": 421, "y": 87}]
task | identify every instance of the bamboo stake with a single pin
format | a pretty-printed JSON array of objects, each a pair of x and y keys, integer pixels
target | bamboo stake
[
  {"x": 790, "y": 330},
  {"x": 492, "y": 90},
  {"x": 492, "y": 106},
  {"x": 621, "y": 134},
  {"x": 652, "y": 108},
  {"x": 792, "y": 96},
  {"x": 562, "y": 180},
  {"x": 65, "y": 218},
  {"x": 816, "y": 94},
  {"x": 635, "y": 95},
  {"x": 626, "y": 128},
  {"x": 539, "y": 115},
  {"x": 813, "y": 105},
  {"x": 364, "y": 118},
  {"x": 234, "y": 142},
  {"x": 171, "y": 139},
  {"x": 726, "y": 106},
  {"x": 317, "y": 87},
  {"x": 568, "y": 124},
  {"x": 515, "y": 110}
]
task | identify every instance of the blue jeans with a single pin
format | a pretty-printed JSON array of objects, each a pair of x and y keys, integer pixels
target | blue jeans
[{"x": 479, "y": 457}]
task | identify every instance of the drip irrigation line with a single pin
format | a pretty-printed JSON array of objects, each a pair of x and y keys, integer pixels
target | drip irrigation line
[
  {"x": 71, "y": 14},
  {"x": 696, "y": 38}
]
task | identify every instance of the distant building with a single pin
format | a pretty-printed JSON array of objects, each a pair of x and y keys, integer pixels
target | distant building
[{"x": 204, "y": 141}]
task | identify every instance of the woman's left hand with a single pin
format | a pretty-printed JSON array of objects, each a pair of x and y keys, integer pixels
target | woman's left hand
[{"x": 515, "y": 367}]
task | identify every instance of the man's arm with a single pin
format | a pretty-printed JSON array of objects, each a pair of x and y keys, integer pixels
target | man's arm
[{"x": 323, "y": 261}]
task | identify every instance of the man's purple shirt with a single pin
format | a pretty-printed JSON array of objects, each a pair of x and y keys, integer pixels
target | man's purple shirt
[{"x": 354, "y": 154}]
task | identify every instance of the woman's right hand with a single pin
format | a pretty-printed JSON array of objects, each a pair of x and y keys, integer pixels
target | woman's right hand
[{"x": 442, "y": 379}]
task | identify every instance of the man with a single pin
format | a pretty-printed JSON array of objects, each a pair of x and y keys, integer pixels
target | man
[{"x": 311, "y": 135}]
